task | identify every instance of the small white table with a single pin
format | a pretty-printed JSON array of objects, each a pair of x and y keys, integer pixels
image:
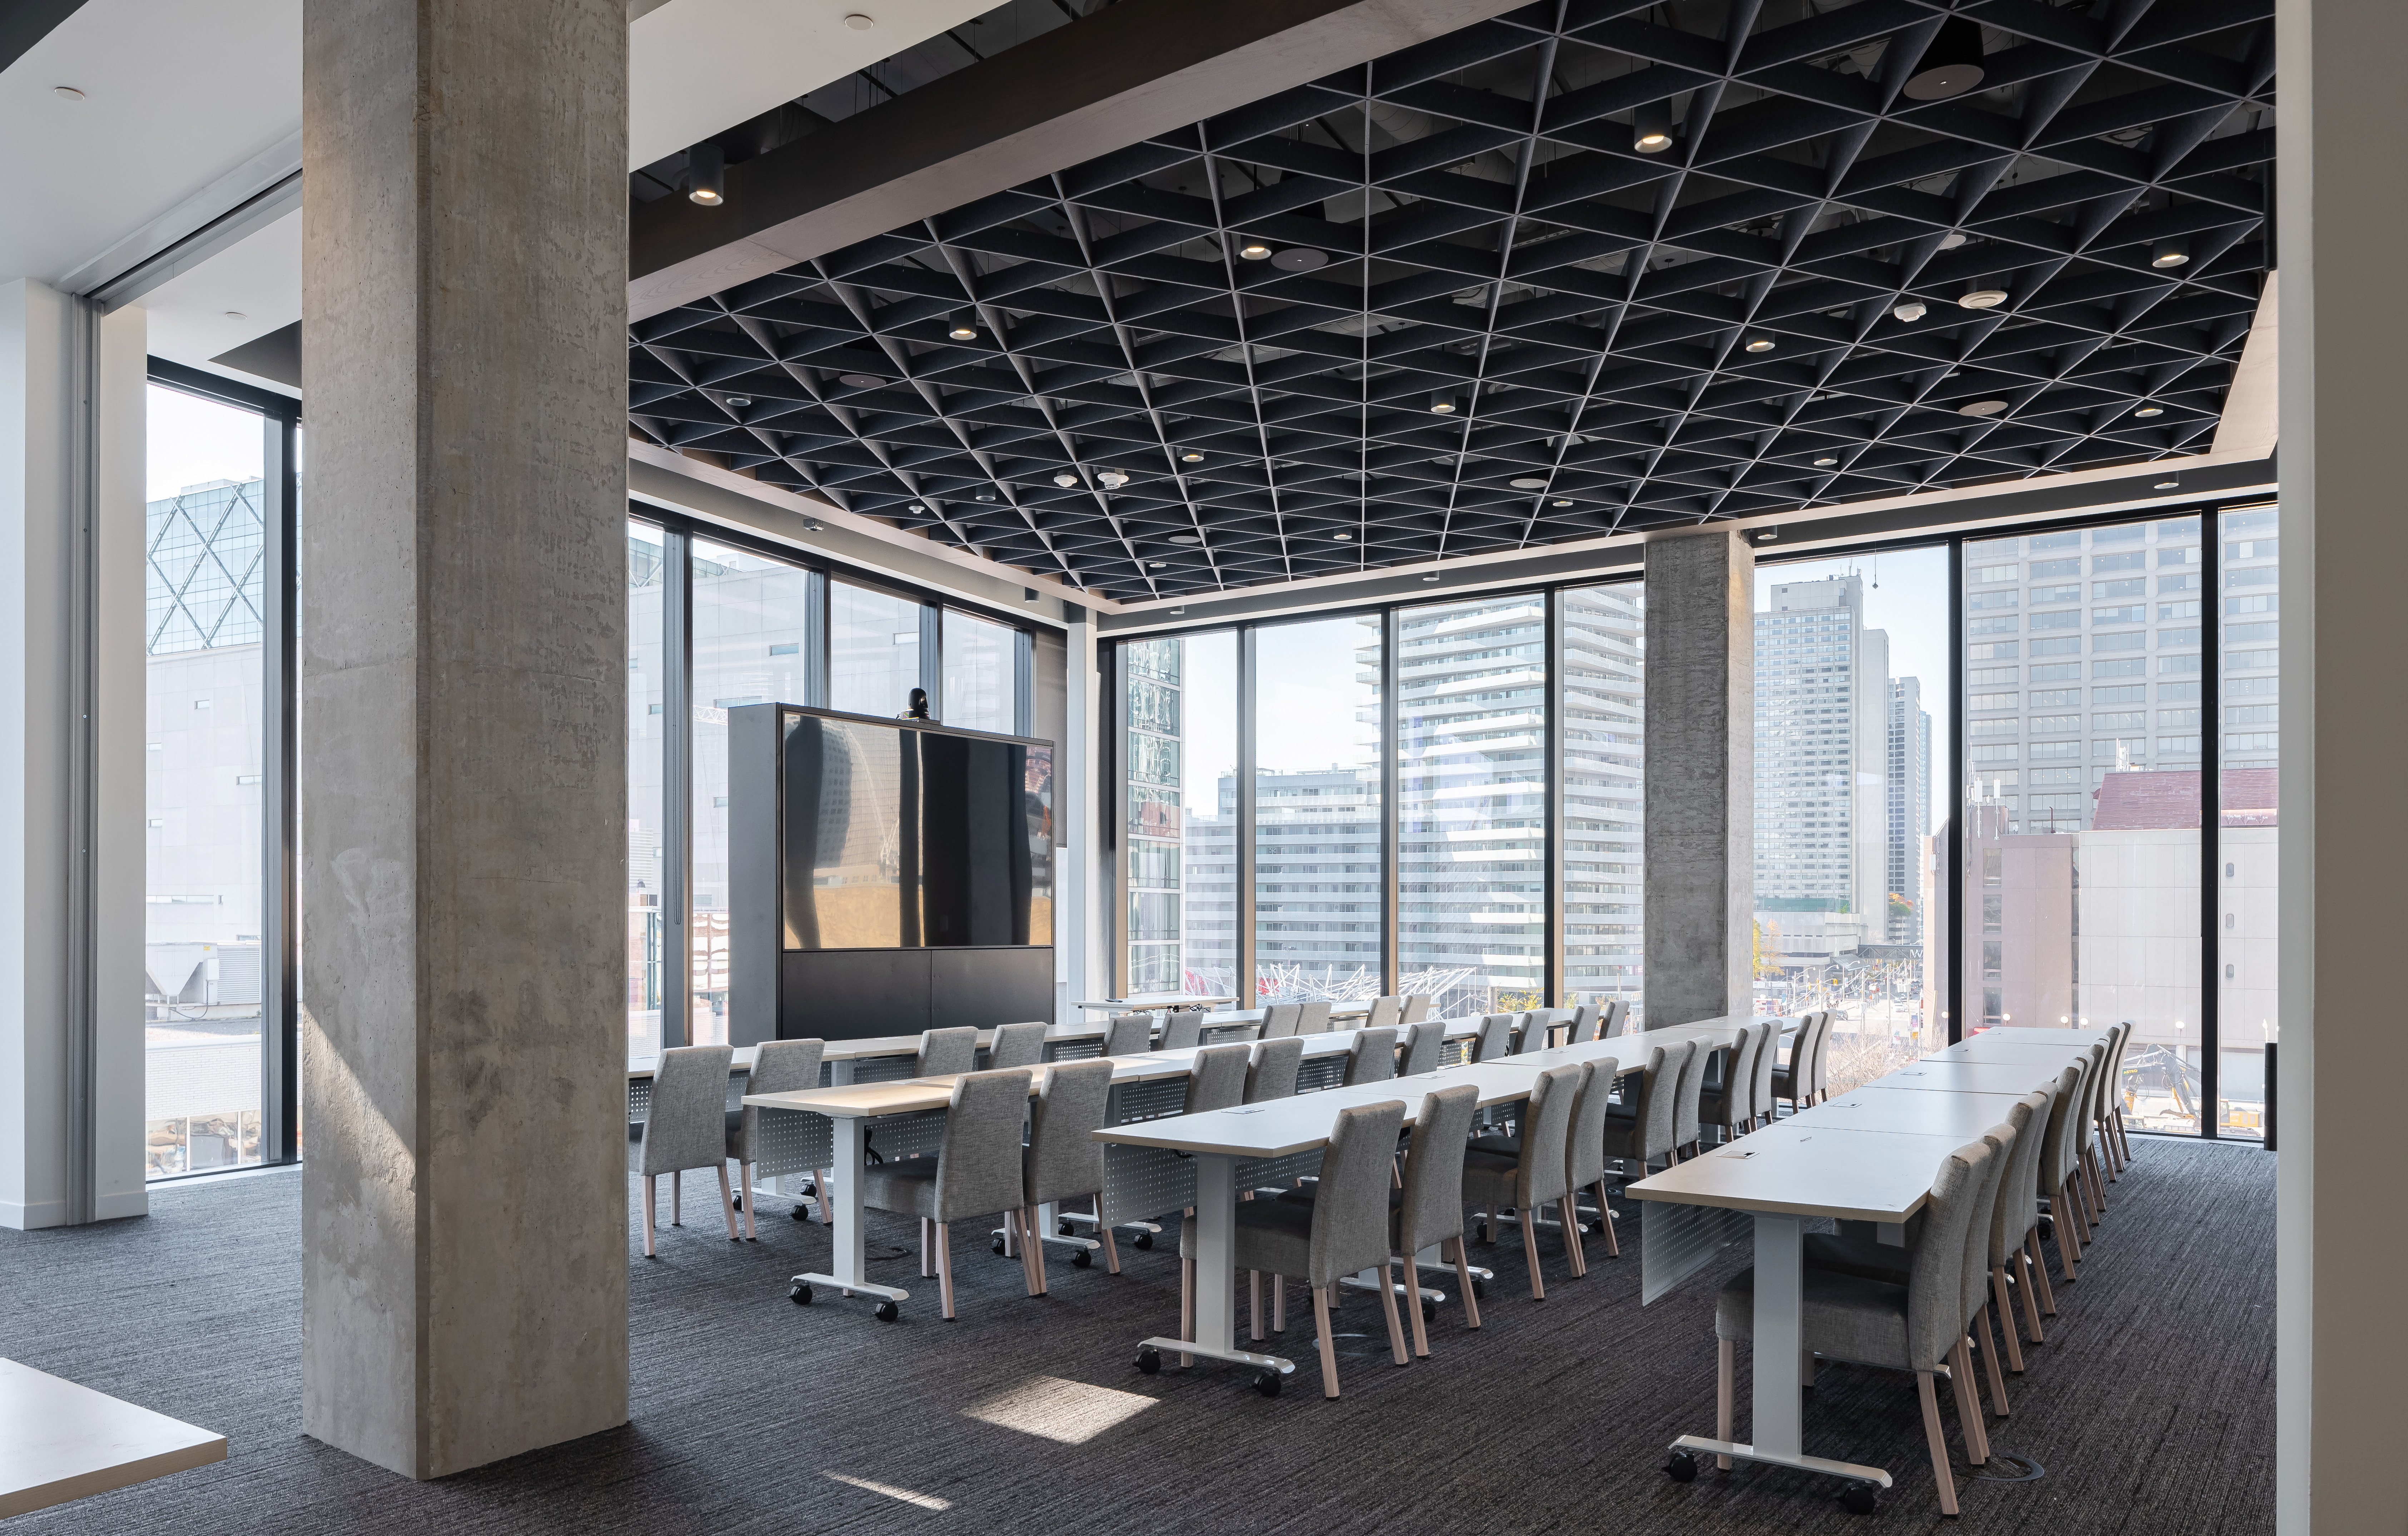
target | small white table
[
  {"x": 1146, "y": 1003},
  {"x": 61, "y": 1442}
]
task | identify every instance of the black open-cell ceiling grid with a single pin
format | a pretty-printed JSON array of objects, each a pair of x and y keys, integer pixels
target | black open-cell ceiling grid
[{"x": 1143, "y": 408}]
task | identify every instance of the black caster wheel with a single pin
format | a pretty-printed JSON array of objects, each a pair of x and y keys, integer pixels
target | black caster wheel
[
  {"x": 1480, "y": 1290},
  {"x": 1860, "y": 1498},
  {"x": 736, "y": 1201},
  {"x": 1267, "y": 1383},
  {"x": 888, "y": 1311},
  {"x": 1061, "y": 1229},
  {"x": 1148, "y": 1361},
  {"x": 2047, "y": 1229},
  {"x": 1480, "y": 1233},
  {"x": 799, "y": 1214},
  {"x": 996, "y": 1246},
  {"x": 1430, "y": 1312},
  {"x": 800, "y": 1295},
  {"x": 1680, "y": 1466},
  {"x": 1082, "y": 1260},
  {"x": 1145, "y": 1240}
]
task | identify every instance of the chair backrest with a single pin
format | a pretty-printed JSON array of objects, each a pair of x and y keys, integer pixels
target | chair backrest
[
  {"x": 1739, "y": 1078},
  {"x": 780, "y": 1066},
  {"x": 1385, "y": 1013},
  {"x": 1935, "y": 1284},
  {"x": 978, "y": 1156},
  {"x": 1271, "y": 1072},
  {"x": 1312, "y": 1017},
  {"x": 1063, "y": 1159},
  {"x": 1538, "y": 1023},
  {"x": 1350, "y": 1208},
  {"x": 1801, "y": 1056},
  {"x": 945, "y": 1052},
  {"x": 1279, "y": 1020},
  {"x": 1495, "y": 1040},
  {"x": 1693, "y": 1084},
  {"x": 1658, "y": 1088},
  {"x": 1584, "y": 1020},
  {"x": 1768, "y": 1061},
  {"x": 1425, "y": 1042},
  {"x": 1128, "y": 1034},
  {"x": 1371, "y": 1055},
  {"x": 1431, "y": 1208},
  {"x": 1818, "y": 1065},
  {"x": 1584, "y": 1144},
  {"x": 1617, "y": 1017},
  {"x": 1417, "y": 1007},
  {"x": 2094, "y": 1103},
  {"x": 1183, "y": 1028},
  {"x": 2002, "y": 1139},
  {"x": 2064, "y": 1113},
  {"x": 2109, "y": 1098},
  {"x": 1217, "y": 1080},
  {"x": 1016, "y": 1045},
  {"x": 1547, "y": 1126},
  {"x": 2018, "y": 1206},
  {"x": 687, "y": 1123}
]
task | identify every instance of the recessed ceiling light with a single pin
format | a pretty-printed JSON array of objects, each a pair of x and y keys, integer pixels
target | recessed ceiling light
[
  {"x": 1909, "y": 310},
  {"x": 1255, "y": 250},
  {"x": 2150, "y": 410},
  {"x": 986, "y": 495},
  {"x": 962, "y": 327},
  {"x": 1432, "y": 577},
  {"x": 1651, "y": 128},
  {"x": 66, "y": 92},
  {"x": 739, "y": 401},
  {"x": 1442, "y": 402},
  {"x": 1527, "y": 482},
  {"x": 1951, "y": 63},
  {"x": 1341, "y": 536},
  {"x": 1186, "y": 538},
  {"x": 1191, "y": 456},
  {"x": 1950, "y": 240},
  {"x": 1825, "y": 462},
  {"x": 1154, "y": 564},
  {"x": 1981, "y": 407},
  {"x": 2168, "y": 253},
  {"x": 1563, "y": 501},
  {"x": 859, "y": 22},
  {"x": 1300, "y": 259},
  {"x": 860, "y": 381},
  {"x": 1759, "y": 344},
  {"x": 1066, "y": 479},
  {"x": 1111, "y": 479},
  {"x": 1983, "y": 298},
  {"x": 2169, "y": 485},
  {"x": 1175, "y": 612},
  {"x": 235, "y": 314}
]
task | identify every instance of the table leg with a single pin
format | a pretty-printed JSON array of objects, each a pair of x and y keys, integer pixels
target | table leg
[
  {"x": 851, "y": 1262},
  {"x": 1216, "y": 1274}
]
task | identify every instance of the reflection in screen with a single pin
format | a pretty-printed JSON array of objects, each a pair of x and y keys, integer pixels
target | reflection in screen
[{"x": 844, "y": 835}]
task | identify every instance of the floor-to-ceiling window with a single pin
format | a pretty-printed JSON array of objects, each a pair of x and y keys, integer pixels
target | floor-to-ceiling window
[
  {"x": 1318, "y": 875},
  {"x": 980, "y": 662},
  {"x": 2248, "y": 830},
  {"x": 1851, "y": 678},
  {"x": 204, "y": 954},
  {"x": 1179, "y": 714},
  {"x": 873, "y": 650},
  {"x": 1604, "y": 770},
  {"x": 648, "y": 929}
]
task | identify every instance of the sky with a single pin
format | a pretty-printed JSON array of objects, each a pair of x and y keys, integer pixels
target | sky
[{"x": 192, "y": 440}]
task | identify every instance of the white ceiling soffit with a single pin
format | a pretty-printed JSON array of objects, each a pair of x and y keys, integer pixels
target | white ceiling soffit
[
  {"x": 698, "y": 67},
  {"x": 177, "y": 96},
  {"x": 239, "y": 294},
  {"x": 2249, "y": 422}
]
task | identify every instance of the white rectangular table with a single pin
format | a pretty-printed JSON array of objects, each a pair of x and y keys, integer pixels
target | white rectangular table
[
  {"x": 60, "y": 1442},
  {"x": 1140, "y": 1003}
]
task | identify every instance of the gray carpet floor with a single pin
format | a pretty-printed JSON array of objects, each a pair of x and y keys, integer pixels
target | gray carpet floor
[{"x": 2151, "y": 1407}]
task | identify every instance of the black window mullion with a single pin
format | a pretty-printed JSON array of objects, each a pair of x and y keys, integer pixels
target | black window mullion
[
  {"x": 1551, "y": 761},
  {"x": 815, "y": 640},
  {"x": 677, "y": 785},
  {"x": 1392, "y": 627},
  {"x": 1954, "y": 871},
  {"x": 2210, "y": 819},
  {"x": 280, "y": 790},
  {"x": 932, "y": 658},
  {"x": 1116, "y": 927},
  {"x": 1243, "y": 908}
]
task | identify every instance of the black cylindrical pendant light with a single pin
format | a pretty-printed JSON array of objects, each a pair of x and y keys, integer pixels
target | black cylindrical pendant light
[{"x": 707, "y": 174}]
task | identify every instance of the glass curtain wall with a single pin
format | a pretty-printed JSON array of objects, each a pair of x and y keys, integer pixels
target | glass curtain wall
[
  {"x": 1318, "y": 876},
  {"x": 751, "y": 645},
  {"x": 203, "y": 752},
  {"x": 2247, "y": 836},
  {"x": 1471, "y": 790},
  {"x": 1851, "y": 674},
  {"x": 2082, "y": 796},
  {"x": 873, "y": 650},
  {"x": 980, "y": 659},
  {"x": 1604, "y": 676},
  {"x": 647, "y": 872},
  {"x": 1179, "y": 711}
]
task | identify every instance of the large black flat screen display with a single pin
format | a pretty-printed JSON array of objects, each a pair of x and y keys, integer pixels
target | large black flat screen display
[{"x": 900, "y": 837}]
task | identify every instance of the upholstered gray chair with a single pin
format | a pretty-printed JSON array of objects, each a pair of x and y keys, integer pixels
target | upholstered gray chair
[
  {"x": 1386, "y": 1013},
  {"x": 779, "y": 1066},
  {"x": 1128, "y": 1034},
  {"x": 1793, "y": 1079},
  {"x": 2113, "y": 1095},
  {"x": 1279, "y": 1020},
  {"x": 1183, "y": 1028},
  {"x": 976, "y": 1171},
  {"x": 945, "y": 1052},
  {"x": 1819, "y": 1064},
  {"x": 1343, "y": 1228},
  {"x": 2015, "y": 1217},
  {"x": 1417, "y": 1007},
  {"x": 687, "y": 1128},
  {"x": 1016, "y": 1045},
  {"x": 1425, "y": 1044},
  {"x": 1372, "y": 1054},
  {"x": 1063, "y": 1160},
  {"x": 1618, "y": 1018},
  {"x": 1526, "y": 1172},
  {"x": 2094, "y": 1109},
  {"x": 2032, "y": 1265},
  {"x": 1426, "y": 1209},
  {"x": 1495, "y": 1040},
  {"x": 1912, "y": 1326},
  {"x": 1539, "y": 1023},
  {"x": 1271, "y": 1071},
  {"x": 2060, "y": 1169},
  {"x": 1730, "y": 1105},
  {"x": 1687, "y": 1129},
  {"x": 1639, "y": 1130},
  {"x": 1312, "y": 1017},
  {"x": 1768, "y": 1062},
  {"x": 1216, "y": 1078},
  {"x": 1585, "y": 1021},
  {"x": 1584, "y": 1145}
]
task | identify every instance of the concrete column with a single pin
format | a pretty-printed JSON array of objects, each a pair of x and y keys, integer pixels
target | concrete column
[
  {"x": 71, "y": 764},
  {"x": 464, "y": 767},
  {"x": 1700, "y": 847},
  {"x": 2341, "y": 1337}
]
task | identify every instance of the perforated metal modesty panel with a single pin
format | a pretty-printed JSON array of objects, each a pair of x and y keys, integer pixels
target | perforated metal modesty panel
[{"x": 1675, "y": 1241}]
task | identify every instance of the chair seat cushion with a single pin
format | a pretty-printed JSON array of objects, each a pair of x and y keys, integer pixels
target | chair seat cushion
[
  {"x": 1273, "y": 1235},
  {"x": 907, "y": 1185},
  {"x": 1781, "y": 1081},
  {"x": 736, "y": 1134},
  {"x": 1489, "y": 1177},
  {"x": 1510, "y": 1146},
  {"x": 1846, "y": 1317},
  {"x": 1864, "y": 1257}
]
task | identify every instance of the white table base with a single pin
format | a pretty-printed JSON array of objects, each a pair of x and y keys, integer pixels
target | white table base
[
  {"x": 851, "y": 1262},
  {"x": 1216, "y": 1274}
]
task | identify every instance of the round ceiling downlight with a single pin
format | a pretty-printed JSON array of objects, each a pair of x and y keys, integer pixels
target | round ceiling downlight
[
  {"x": 1983, "y": 298},
  {"x": 1300, "y": 259},
  {"x": 860, "y": 381},
  {"x": 2150, "y": 410},
  {"x": 1909, "y": 310},
  {"x": 1981, "y": 407},
  {"x": 1528, "y": 482},
  {"x": 1255, "y": 250},
  {"x": 1825, "y": 461},
  {"x": 1186, "y": 538},
  {"x": 1951, "y": 65},
  {"x": 1759, "y": 344}
]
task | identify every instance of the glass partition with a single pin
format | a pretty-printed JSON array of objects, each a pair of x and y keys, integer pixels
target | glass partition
[
  {"x": 2248, "y": 832},
  {"x": 646, "y": 930},
  {"x": 1180, "y": 709},
  {"x": 1604, "y": 768},
  {"x": 1318, "y": 877},
  {"x": 981, "y": 668},
  {"x": 873, "y": 650}
]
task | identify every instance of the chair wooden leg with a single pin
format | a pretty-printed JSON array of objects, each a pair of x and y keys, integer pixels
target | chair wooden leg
[
  {"x": 1530, "y": 1252},
  {"x": 2066, "y": 1219},
  {"x": 1937, "y": 1442},
  {"x": 1279, "y": 1303},
  {"x": 1187, "y": 1305},
  {"x": 677, "y": 1193},
  {"x": 1463, "y": 1284},
  {"x": 1023, "y": 1223},
  {"x": 925, "y": 1270},
  {"x": 2007, "y": 1318},
  {"x": 1255, "y": 1304},
  {"x": 1990, "y": 1359},
  {"x": 1968, "y": 1403},
  {"x": 945, "y": 1269},
  {"x": 827, "y": 1205},
  {"x": 1413, "y": 1305},
  {"x": 1328, "y": 1348},
  {"x": 1568, "y": 1209},
  {"x": 1725, "y": 1370},
  {"x": 727, "y": 1204},
  {"x": 2037, "y": 1301},
  {"x": 744, "y": 1174},
  {"x": 1111, "y": 1249},
  {"x": 1388, "y": 1304},
  {"x": 651, "y": 1198},
  {"x": 1605, "y": 1220}
]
